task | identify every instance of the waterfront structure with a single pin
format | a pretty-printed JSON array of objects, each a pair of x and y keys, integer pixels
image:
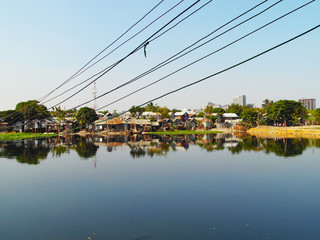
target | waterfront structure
[
  {"x": 309, "y": 103},
  {"x": 240, "y": 100}
]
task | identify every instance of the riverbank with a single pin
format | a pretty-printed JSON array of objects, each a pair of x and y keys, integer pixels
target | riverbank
[
  {"x": 21, "y": 136},
  {"x": 286, "y": 132}
]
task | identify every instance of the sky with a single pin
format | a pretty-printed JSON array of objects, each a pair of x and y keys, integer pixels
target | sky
[{"x": 43, "y": 43}]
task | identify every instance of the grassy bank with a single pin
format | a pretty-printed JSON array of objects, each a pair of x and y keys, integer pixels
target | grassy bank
[
  {"x": 286, "y": 132},
  {"x": 186, "y": 132},
  {"x": 19, "y": 136}
]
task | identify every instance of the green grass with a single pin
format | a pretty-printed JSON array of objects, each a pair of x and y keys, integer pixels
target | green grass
[
  {"x": 18, "y": 136},
  {"x": 186, "y": 132}
]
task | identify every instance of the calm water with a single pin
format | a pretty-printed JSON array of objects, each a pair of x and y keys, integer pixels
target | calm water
[{"x": 138, "y": 188}]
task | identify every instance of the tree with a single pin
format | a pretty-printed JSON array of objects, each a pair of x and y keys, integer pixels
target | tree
[
  {"x": 287, "y": 111},
  {"x": 235, "y": 108},
  {"x": 164, "y": 112},
  {"x": 136, "y": 111},
  {"x": 151, "y": 107},
  {"x": 32, "y": 110},
  {"x": 11, "y": 116},
  {"x": 250, "y": 115},
  {"x": 86, "y": 115},
  {"x": 267, "y": 103}
]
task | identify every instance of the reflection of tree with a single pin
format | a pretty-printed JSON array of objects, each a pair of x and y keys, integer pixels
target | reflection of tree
[
  {"x": 285, "y": 147},
  {"x": 29, "y": 154},
  {"x": 59, "y": 150},
  {"x": 86, "y": 150},
  {"x": 247, "y": 143},
  {"x": 137, "y": 152}
]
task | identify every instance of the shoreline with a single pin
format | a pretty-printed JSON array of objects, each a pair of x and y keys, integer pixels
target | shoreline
[{"x": 286, "y": 132}]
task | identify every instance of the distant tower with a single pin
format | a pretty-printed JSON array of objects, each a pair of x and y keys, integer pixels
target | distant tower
[
  {"x": 94, "y": 96},
  {"x": 241, "y": 100}
]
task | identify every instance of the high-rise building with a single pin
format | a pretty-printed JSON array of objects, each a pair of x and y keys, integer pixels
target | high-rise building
[
  {"x": 309, "y": 104},
  {"x": 241, "y": 100}
]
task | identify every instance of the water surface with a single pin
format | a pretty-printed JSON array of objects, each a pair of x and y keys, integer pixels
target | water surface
[{"x": 143, "y": 187}]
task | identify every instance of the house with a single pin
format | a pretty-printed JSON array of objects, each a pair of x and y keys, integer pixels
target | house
[
  {"x": 190, "y": 123},
  {"x": 182, "y": 115},
  {"x": 18, "y": 127},
  {"x": 36, "y": 126},
  {"x": 140, "y": 125},
  {"x": 3, "y": 125},
  {"x": 101, "y": 125},
  {"x": 151, "y": 115},
  {"x": 206, "y": 123},
  {"x": 231, "y": 118},
  {"x": 117, "y": 125}
]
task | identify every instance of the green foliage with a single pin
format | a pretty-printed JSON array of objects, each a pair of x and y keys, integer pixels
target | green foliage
[
  {"x": 286, "y": 111},
  {"x": 250, "y": 115},
  {"x": 200, "y": 114},
  {"x": 235, "y": 108},
  {"x": 151, "y": 107},
  {"x": 86, "y": 115},
  {"x": 32, "y": 110},
  {"x": 18, "y": 136},
  {"x": 164, "y": 112},
  {"x": 86, "y": 150},
  {"x": 137, "y": 111},
  {"x": 11, "y": 116}
]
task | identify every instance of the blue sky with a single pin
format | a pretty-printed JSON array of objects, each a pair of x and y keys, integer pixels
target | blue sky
[{"x": 44, "y": 42}]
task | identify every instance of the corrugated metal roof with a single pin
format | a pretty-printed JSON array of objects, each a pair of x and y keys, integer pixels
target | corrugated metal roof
[
  {"x": 230, "y": 115},
  {"x": 114, "y": 121}
]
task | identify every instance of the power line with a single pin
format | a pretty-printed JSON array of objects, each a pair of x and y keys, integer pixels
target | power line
[
  {"x": 210, "y": 54},
  {"x": 229, "y": 68},
  {"x": 217, "y": 73},
  {"x": 132, "y": 52},
  {"x": 113, "y": 64},
  {"x": 167, "y": 62},
  {"x": 76, "y": 74}
]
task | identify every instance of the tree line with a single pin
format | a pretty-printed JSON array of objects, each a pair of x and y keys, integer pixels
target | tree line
[{"x": 282, "y": 112}]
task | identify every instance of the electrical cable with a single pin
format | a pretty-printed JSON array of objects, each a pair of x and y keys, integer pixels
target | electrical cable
[
  {"x": 167, "y": 62},
  {"x": 210, "y": 54},
  {"x": 76, "y": 74},
  {"x": 217, "y": 73},
  {"x": 132, "y": 52},
  {"x": 112, "y": 65},
  {"x": 229, "y": 68}
]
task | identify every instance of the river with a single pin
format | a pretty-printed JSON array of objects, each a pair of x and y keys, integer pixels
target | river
[{"x": 148, "y": 187}]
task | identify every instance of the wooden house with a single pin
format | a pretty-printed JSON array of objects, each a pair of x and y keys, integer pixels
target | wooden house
[
  {"x": 140, "y": 125},
  {"x": 206, "y": 123}
]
